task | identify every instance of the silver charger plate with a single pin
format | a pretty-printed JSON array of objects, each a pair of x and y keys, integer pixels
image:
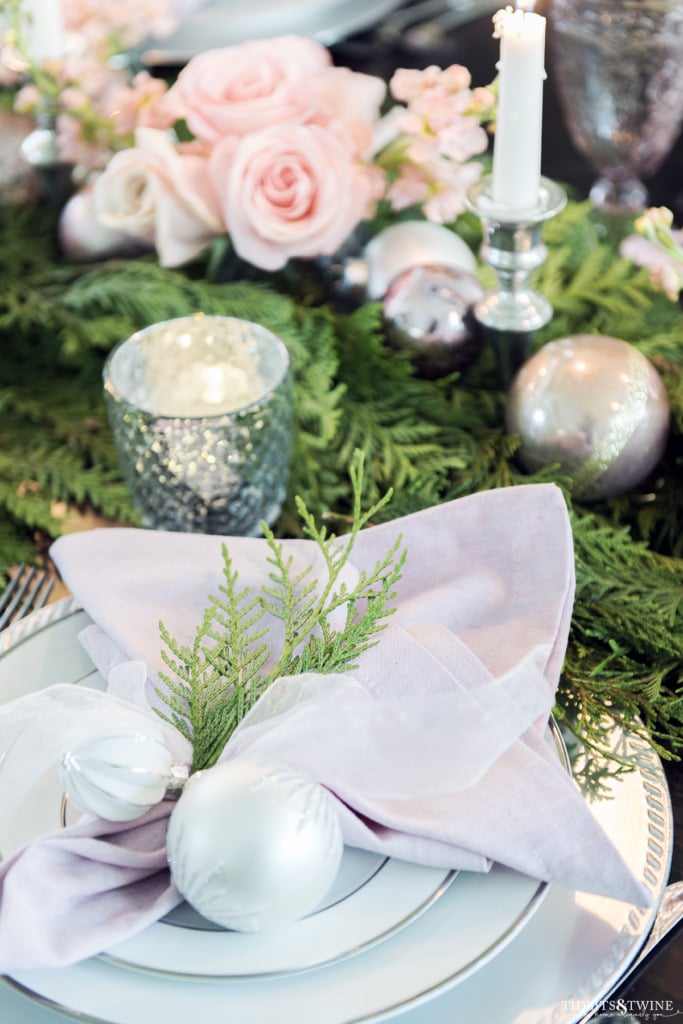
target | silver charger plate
[{"x": 474, "y": 956}]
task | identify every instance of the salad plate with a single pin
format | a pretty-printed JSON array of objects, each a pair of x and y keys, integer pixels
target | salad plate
[{"x": 484, "y": 952}]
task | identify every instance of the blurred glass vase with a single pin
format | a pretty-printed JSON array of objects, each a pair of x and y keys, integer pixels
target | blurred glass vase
[
  {"x": 619, "y": 74},
  {"x": 201, "y": 412}
]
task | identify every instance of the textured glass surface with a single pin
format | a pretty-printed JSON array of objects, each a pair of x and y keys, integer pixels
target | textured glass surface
[
  {"x": 619, "y": 74},
  {"x": 201, "y": 411}
]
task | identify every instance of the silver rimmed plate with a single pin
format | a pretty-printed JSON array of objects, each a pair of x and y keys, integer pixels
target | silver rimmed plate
[
  {"x": 477, "y": 955},
  {"x": 373, "y": 898}
]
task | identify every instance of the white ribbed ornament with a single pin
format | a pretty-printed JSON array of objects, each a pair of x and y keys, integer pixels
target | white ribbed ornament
[
  {"x": 253, "y": 845},
  {"x": 119, "y": 777},
  {"x": 413, "y": 243}
]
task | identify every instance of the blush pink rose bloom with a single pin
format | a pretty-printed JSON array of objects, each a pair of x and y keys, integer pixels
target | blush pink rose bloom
[
  {"x": 241, "y": 89},
  {"x": 292, "y": 191},
  {"x": 351, "y": 97},
  {"x": 122, "y": 197},
  {"x": 154, "y": 193},
  {"x": 83, "y": 236}
]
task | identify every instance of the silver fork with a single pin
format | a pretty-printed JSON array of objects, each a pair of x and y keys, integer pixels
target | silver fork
[{"x": 27, "y": 590}]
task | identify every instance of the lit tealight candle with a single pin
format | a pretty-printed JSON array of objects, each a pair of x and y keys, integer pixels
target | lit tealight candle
[
  {"x": 205, "y": 389},
  {"x": 517, "y": 145}
]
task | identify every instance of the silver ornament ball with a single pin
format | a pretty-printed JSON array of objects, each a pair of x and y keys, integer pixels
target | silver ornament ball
[
  {"x": 344, "y": 273},
  {"x": 427, "y": 312},
  {"x": 253, "y": 845},
  {"x": 595, "y": 405}
]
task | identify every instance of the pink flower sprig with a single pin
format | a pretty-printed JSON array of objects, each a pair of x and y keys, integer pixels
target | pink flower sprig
[
  {"x": 439, "y": 129},
  {"x": 658, "y": 247},
  {"x": 120, "y": 26},
  {"x": 95, "y": 101}
]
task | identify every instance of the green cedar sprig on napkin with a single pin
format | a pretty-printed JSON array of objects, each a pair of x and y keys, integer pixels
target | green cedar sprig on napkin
[{"x": 220, "y": 677}]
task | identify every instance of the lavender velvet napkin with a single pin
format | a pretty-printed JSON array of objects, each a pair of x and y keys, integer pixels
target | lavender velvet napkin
[{"x": 434, "y": 747}]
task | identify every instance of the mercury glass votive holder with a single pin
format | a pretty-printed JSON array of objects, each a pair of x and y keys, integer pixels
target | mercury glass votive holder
[{"x": 202, "y": 416}]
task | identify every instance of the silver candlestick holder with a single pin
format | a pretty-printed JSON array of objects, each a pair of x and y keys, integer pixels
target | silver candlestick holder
[
  {"x": 40, "y": 150},
  {"x": 513, "y": 245}
]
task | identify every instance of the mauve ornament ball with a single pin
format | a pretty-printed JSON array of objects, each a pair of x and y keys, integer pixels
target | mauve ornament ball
[
  {"x": 428, "y": 312},
  {"x": 595, "y": 405}
]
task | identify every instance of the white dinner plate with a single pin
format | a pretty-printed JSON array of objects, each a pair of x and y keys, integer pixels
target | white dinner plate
[
  {"x": 217, "y": 24},
  {"x": 372, "y": 898},
  {"x": 452, "y": 964}
]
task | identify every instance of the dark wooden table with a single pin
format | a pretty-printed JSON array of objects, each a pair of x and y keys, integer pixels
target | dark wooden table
[{"x": 474, "y": 46}]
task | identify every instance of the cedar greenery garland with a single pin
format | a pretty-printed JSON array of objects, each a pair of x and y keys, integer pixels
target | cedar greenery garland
[{"x": 431, "y": 441}]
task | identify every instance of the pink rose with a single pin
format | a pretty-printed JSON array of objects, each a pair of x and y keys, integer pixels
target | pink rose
[
  {"x": 154, "y": 192},
  {"x": 241, "y": 89},
  {"x": 84, "y": 237},
  {"x": 666, "y": 272},
  {"x": 351, "y": 97},
  {"x": 122, "y": 197},
  {"x": 292, "y": 191}
]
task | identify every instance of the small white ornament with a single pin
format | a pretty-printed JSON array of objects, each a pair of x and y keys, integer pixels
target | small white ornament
[
  {"x": 413, "y": 243},
  {"x": 252, "y": 845},
  {"x": 118, "y": 778}
]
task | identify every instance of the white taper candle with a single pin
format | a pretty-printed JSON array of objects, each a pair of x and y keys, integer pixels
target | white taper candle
[
  {"x": 517, "y": 143},
  {"x": 43, "y": 29}
]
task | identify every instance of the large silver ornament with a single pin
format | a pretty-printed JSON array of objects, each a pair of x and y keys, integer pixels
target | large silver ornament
[
  {"x": 252, "y": 845},
  {"x": 595, "y": 405},
  {"x": 412, "y": 243},
  {"x": 427, "y": 312}
]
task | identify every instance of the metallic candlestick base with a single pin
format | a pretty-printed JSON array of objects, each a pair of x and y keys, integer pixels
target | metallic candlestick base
[
  {"x": 41, "y": 152},
  {"x": 513, "y": 246}
]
